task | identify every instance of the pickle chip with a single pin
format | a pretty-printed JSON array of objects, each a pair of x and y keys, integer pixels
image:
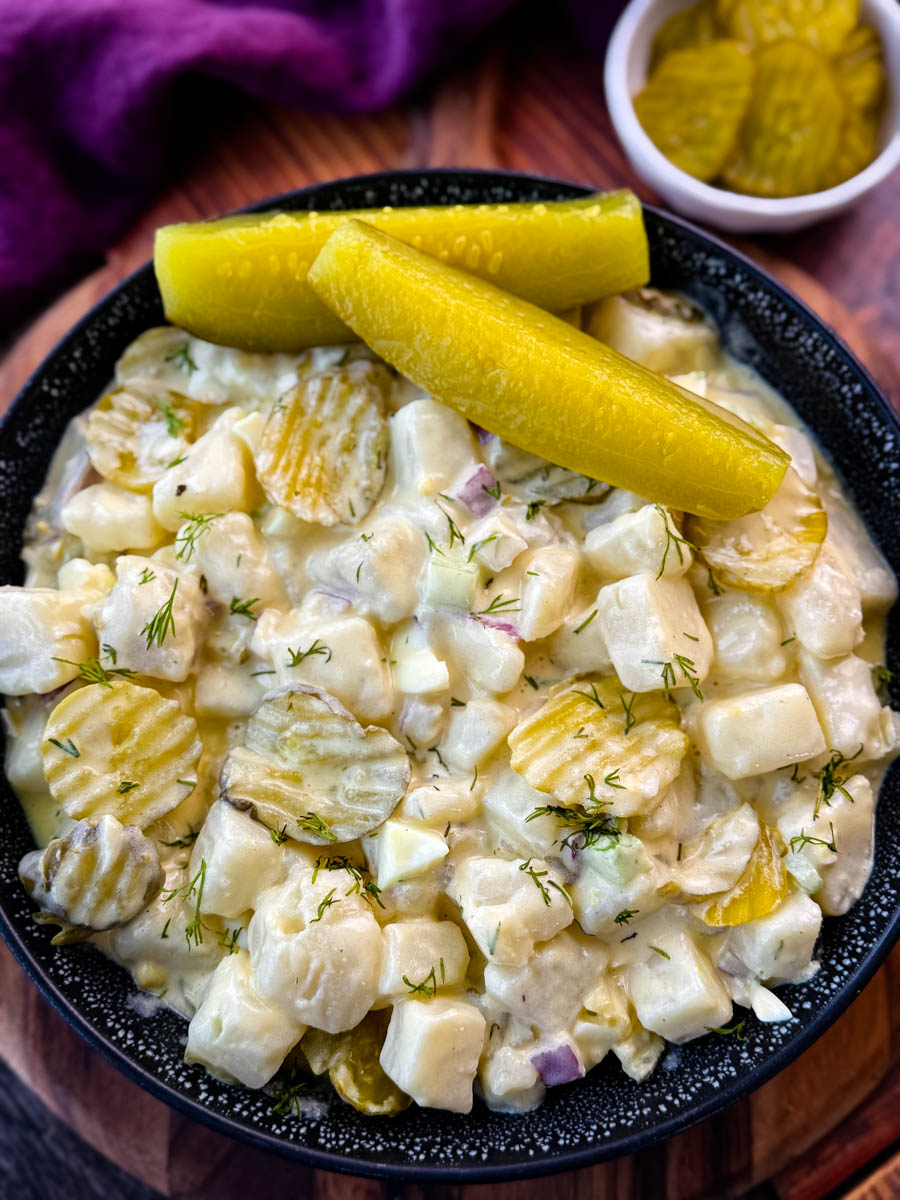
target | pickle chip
[
  {"x": 135, "y": 433},
  {"x": 762, "y": 886},
  {"x": 692, "y": 26},
  {"x": 790, "y": 135},
  {"x": 693, "y": 105},
  {"x": 857, "y": 147},
  {"x": 821, "y": 23},
  {"x": 323, "y": 453},
  {"x": 860, "y": 68}
]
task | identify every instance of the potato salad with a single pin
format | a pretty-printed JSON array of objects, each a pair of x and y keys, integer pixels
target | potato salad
[{"x": 381, "y": 748}]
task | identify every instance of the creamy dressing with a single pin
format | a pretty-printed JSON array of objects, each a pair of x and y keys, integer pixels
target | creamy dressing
[{"x": 473, "y": 597}]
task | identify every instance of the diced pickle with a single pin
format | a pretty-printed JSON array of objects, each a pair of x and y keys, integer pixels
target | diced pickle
[
  {"x": 630, "y": 746},
  {"x": 792, "y": 127},
  {"x": 308, "y": 768},
  {"x": 120, "y": 749},
  {"x": 323, "y": 453},
  {"x": 858, "y": 146},
  {"x": 241, "y": 281},
  {"x": 693, "y": 105},
  {"x": 540, "y": 384},
  {"x": 765, "y": 551},
  {"x": 860, "y": 68},
  {"x": 352, "y": 1062},
  {"x": 824, "y": 24},
  {"x": 691, "y": 26},
  {"x": 98, "y": 875},
  {"x": 763, "y": 885}
]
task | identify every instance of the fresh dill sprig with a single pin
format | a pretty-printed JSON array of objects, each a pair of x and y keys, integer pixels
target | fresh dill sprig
[
  {"x": 313, "y": 823},
  {"x": 287, "y": 1098},
  {"x": 612, "y": 779},
  {"x": 592, "y": 695},
  {"x": 174, "y": 423},
  {"x": 493, "y": 492},
  {"x": 453, "y": 529},
  {"x": 423, "y": 987},
  {"x": 660, "y": 952},
  {"x": 628, "y": 710},
  {"x": 803, "y": 839},
  {"x": 298, "y": 655},
  {"x": 537, "y": 878},
  {"x": 584, "y": 624},
  {"x": 181, "y": 356},
  {"x": 360, "y": 886},
  {"x": 197, "y": 523},
  {"x": 147, "y": 576},
  {"x": 533, "y": 509},
  {"x": 243, "y": 608},
  {"x": 498, "y": 604},
  {"x": 185, "y": 840},
  {"x": 480, "y": 544},
  {"x": 882, "y": 678},
  {"x": 162, "y": 622},
  {"x": 193, "y": 932},
  {"x": 711, "y": 583},
  {"x": 531, "y": 681},
  {"x": 623, "y": 917},
  {"x": 127, "y": 785},
  {"x": 688, "y": 669},
  {"x": 672, "y": 539},
  {"x": 324, "y": 906},
  {"x": 93, "y": 671},
  {"x": 279, "y": 836},
  {"x": 728, "y": 1030},
  {"x": 71, "y": 749},
  {"x": 830, "y": 781}
]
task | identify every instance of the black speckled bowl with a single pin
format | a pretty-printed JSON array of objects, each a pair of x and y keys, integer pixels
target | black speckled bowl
[{"x": 605, "y": 1114}]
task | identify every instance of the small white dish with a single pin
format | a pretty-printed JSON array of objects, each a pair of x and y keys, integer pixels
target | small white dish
[{"x": 625, "y": 73}]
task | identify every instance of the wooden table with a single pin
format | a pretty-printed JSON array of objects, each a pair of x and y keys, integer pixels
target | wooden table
[{"x": 529, "y": 105}]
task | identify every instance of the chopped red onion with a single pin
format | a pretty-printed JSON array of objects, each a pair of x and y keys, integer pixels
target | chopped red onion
[
  {"x": 474, "y": 494},
  {"x": 482, "y": 434},
  {"x": 558, "y": 1064},
  {"x": 496, "y": 623}
]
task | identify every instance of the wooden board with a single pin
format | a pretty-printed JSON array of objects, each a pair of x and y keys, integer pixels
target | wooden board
[{"x": 533, "y": 109}]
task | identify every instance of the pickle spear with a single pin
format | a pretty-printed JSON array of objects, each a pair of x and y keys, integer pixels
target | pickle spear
[
  {"x": 241, "y": 281},
  {"x": 541, "y": 384}
]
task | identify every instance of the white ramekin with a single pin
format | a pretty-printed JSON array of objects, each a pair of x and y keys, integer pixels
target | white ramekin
[{"x": 625, "y": 73}]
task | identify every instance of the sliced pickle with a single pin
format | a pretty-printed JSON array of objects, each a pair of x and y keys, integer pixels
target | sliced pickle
[
  {"x": 791, "y": 131},
  {"x": 310, "y": 770},
  {"x": 120, "y": 749},
  {"x": 766, "y": 551},
  {"x": 98, "y": 875},
  {"x": 630, "y": 747},
  {"x": 352, "y": 1062},
  {"x": 860, "y": 68},
  {"x": 691, "y": 26},
  {"x": 858, "y": 146},
  {"x": 540, "y": 384},
  {"x": 823, "y": 24},
  {"x": 323, "y": 453},
  {"x": 136, "y": 432},
  {"x": 763, "y": 885},
  {"x": 693, "y": 105}
]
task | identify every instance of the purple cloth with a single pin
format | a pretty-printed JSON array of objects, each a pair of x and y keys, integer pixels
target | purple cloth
[{"x": 90, "y": 90}]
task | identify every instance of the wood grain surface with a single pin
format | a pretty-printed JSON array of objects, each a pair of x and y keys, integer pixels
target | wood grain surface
[{"x": 524, "y": 104}]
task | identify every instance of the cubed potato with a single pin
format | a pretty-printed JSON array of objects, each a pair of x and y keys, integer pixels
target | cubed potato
[
  {"x": 760, "y": 731},
  {"x": 676, "y": 991},
  {"x": 658, "y": 339},
  {"x": 422, "y": 719},
  {"x": 639, "y": 1053},
  {"x": 439, "y": 804},
  {"x": 848, "y": 708},
  {"x": 496, "y": 542},
  {"x": 509, "y": 1080},
  {"x": 145, "y": 589},
  {"x": 316, "y": 951},
  {"x": 504, "y": 909},
  {"x": 109, "y": 518},
  {"x": 93, "y": 580},
  {"x": 848, "y": 537},
  {"x": 476, "y": 731},
  {"x": 217, "y": 476},
  {"x": 401, "y": 850},
  {"x": 417, "y": 669},
  {"x": 547, "y": 591},
  {"x": 235, "y": 561},
  {"x": 430, "y": 447},
  {"x": 415, "y": 948},
  {"x": 603, "y": 1022},
  {"x": 508, "y": 803},
  {"x": 614, "y": 875},
  {"x": 822, "y": 608},
  {"x": 795, "y": 443},
  {"x": 228, "y": 692},
  {"x": 342, "y": 655},
  {"x": 549, "y": 990},
  {"x": 236, "y": 1033},
  {"x": 646, "y": 622},
  {"x": 747, "y": 637},
  {"x": 778, "y": 947},
  {"x": 377, "y": 571},
  {"x": 432, "y": 1049},
  {"x": 490, "y": 658},
  {"x": 578, "y": 645},
  {"x": 38, "y": 626},
  {"x": 638, "y": 543},
  {"x": 242, "y": 860}
]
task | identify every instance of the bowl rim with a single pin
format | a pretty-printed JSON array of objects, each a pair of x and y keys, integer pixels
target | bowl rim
[
  {"x": 650, "y": 161},
  {"x": 732, "y": 1090}
]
